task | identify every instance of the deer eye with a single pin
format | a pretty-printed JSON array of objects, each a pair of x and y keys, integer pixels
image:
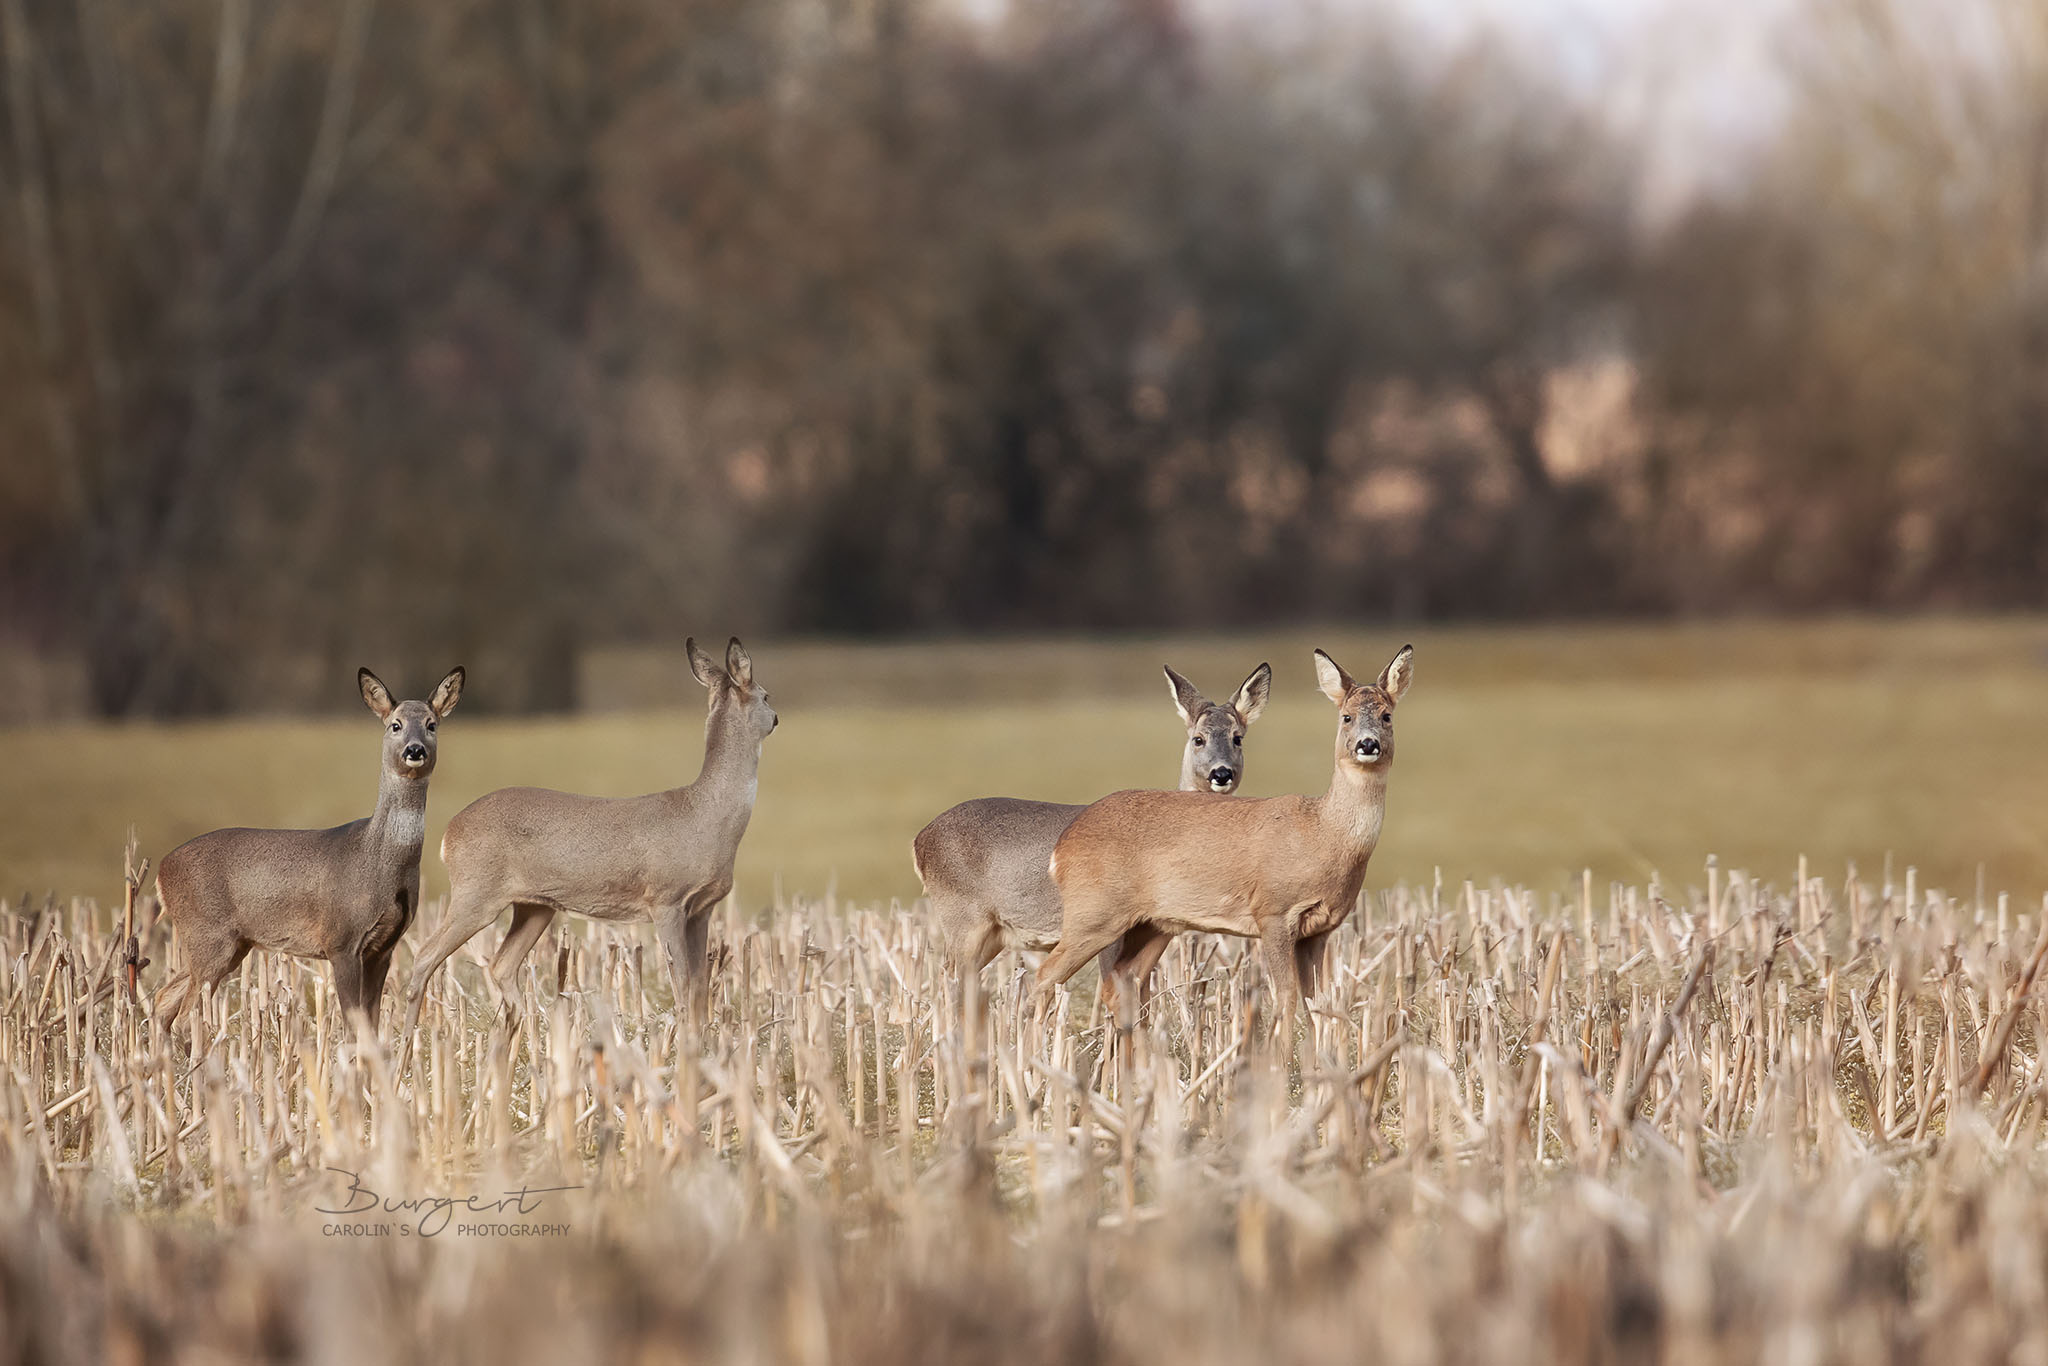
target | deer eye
[
  {"x": 1347, "y": 720},
  {"x": 1200, "y": 740},
  {"x": 430, "y": 727},
  {"x": 1386, "y": 718},
  {"x": 397, "y": 726},
  {"x": 1236, "y": 739}
]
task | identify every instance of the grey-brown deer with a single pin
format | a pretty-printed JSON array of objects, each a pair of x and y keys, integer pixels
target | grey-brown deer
[
  {"x": 346, "y": 894},
  {"x": 1285, "y": 871},
  {"x": 984, "y": 862},
  {"x": 665, "y": 857}
]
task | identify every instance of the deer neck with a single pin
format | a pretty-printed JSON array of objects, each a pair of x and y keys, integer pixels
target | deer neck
[
  {"x": 732, "y": 759},
  {"x": 1356, "y": 803},
  {"x": 398, "y": 827}
]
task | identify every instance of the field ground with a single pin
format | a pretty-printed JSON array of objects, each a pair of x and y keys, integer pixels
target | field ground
[
  {"x": 1525, "y": 754},
  {"x": 1794, "y": 1127}
]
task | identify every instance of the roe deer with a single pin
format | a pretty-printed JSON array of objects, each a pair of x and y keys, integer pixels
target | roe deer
[
  {"x": 346, "y": 894},
  {"x": 1285, "y": 871},
  {"x": 665, "y": 857},
  {"x": 983, "y": 862}
]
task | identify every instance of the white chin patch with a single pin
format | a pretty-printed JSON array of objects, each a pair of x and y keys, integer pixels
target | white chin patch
[{"x": 1215, "y": 786}]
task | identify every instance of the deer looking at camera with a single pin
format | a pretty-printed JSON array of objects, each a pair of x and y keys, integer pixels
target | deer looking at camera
[
  {"x": 983, "y": 862},
  {"x": 346, "y": 894},
  {"x": 1286, "y": 871},
  {"x": 666, "y": 857}
]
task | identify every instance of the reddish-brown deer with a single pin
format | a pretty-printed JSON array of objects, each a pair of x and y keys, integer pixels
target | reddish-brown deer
[
  {"x": 1285, "y": 871},
  {"x": 346, "y": 894},
  {"x": 983, "y": 862},
  {"x": 666, "y": 857}
]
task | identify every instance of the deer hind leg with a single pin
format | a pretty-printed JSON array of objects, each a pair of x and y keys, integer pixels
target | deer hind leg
[
  {"x": 209, "y": 958},
  {"x": 530, "y": 920},
  {"x": 1311, "y": 961},
  {"x": 1076, "y": 947},
  {"x": 1128, "y": 976},
  {"x": 467, "y": 913},
  {"x": 972, "y": 933}
]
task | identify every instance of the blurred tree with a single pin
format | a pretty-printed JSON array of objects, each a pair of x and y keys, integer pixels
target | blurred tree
[{"x": 1858, "y": 338}]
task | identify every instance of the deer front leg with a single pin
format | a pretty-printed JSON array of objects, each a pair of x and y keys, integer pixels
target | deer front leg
[
  {"x": 1276, "y": 951},
  {"x": 348, "y": 986},
  {"x": 375, "y": 969},
  {"x": 685, "y": 939},
  {"x": 697, "y": 963}
]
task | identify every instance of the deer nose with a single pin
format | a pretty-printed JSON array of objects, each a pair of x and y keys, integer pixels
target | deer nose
[
  {"x": 1221, "y": 776},
  {"x": 1368, "y": 747},
  {"x": 415, "y": 753}
]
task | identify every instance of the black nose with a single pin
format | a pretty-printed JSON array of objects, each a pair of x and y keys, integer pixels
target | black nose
[
  {"x": 1220, "y": 775},
  {"x": 1368, "y": 748},
  {"x": 415, "y": 752}
]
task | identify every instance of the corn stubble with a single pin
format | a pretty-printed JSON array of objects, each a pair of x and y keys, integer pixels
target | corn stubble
[{"x": 1744, "y": 1122}]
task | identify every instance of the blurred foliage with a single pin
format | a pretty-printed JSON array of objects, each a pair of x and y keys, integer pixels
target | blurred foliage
[{"x": 499, "y": 329}]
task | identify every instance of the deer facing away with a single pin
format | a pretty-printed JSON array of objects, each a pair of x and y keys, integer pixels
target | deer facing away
[
  {"x": 665, "y": 857},
  {"x": 983, "y": 862},
  {"x": 346, "y": 894},
  {"x": 1286, "y": 871}
]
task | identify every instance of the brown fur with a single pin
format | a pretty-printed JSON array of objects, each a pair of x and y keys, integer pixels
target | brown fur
[
  {"x": 346, "y": 895},
  {"x": 1282, "y": 870},
  {"x": 665, "y": 857},
  {"x": 983, "y": 862}
]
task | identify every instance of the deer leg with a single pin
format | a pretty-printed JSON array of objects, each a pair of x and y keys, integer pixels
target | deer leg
[
  {"x": 348, "y": 986},
  {"x": 530, "y": 920},
  {"x": 1118, "y": 978},
  {"x": 208, "y": 960},
  {"x": 464, "y": 917},
  {"x": 1276, "y": 950},
  {"x": 974, "y": 936},
  {"x": 1138, "y": 967},
  {"x": 985, "y": 948},
  {"x": 1311, "y": 957},
  {"x": 1070, "y": 953},
  {"x": 685, "y": 933},
  {"x": 1105, "y": 967},
  {"x": 375, "y": 969}
]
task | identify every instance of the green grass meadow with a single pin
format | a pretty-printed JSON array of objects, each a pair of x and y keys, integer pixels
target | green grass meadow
[{"x": 1524, "y": 754}]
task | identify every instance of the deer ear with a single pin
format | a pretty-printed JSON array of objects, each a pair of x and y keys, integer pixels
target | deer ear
[
  {"x": 739, "y": 663},
  {"x": 449, "y": 693},
  {"x": 1252, "y": 693},
  {"x": 1335, "y": 683},
  {"x": 376, "y": 696},
  {"x": 1399, "y": 673},
  {"x": 1186, "y": 700},
  {"x": 707, "y": 670}
]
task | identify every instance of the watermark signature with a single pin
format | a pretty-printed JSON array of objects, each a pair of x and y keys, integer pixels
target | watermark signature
[{"x": 432, "y": 1215}]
